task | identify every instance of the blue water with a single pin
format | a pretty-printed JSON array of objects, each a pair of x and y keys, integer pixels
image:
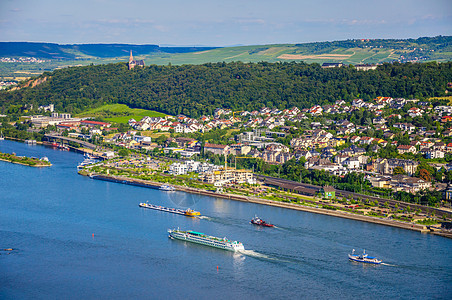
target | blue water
[{"x": 49, "y": 216}]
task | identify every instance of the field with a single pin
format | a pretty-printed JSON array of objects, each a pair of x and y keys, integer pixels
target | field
[
  {"x": 308, "y": 53},
  {"x": 277, "y": 53},
  {"x": 119, "y": 113}
]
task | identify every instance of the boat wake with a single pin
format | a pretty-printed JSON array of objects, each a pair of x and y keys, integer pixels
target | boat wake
[
  {"x": 388, "y": 265},
  {"x": 204, "y": 218},
  {"x": 256, "y": 254}
]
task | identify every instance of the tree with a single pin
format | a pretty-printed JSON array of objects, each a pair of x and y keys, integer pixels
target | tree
[
  {"x": 425, "y": 175},
  {"x": 399, "y": 170},
  {"x": 123, "y": 152}
]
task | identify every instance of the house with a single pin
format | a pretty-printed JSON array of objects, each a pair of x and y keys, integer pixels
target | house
[
  {"x": 405, "y": 126},
  {"x": 331, "y": 65},
  {"x": 178, "y": 169},
  {"x": 328, "y": 192},
  {"x": 406, "y": 149},
  {"x": 365, "y": 67},
  {"x": 432, "y": 154},
  {"x": 302, "y": 153},
  {"x": 351, "y": 163},
  {"x": 228, "y": 175},
  {"x": 341, "y": 158},
  {"x": 449, "y": 147},
  {"x": 409, "y": 184},
  {"x": 383, "y": 100},
  {"x": 358, "y": 103},
  {"x": 398, "y": 103},
  {"x": 446, "y": 119},
  {"x": 355, "y": 139},
  {"x": 439, "y": 146},
  {"x": 94, "y": 124},
  {"x": 216, "y": 149},
  {"x": 380, "y": 181},
  {"x": 415, "y": 112},
  {"x": 430, "y": 133},
  {"x": 379, "y": 120},
  {"x": 366, "y": 140},
  {"x": 386, "y": 166}
]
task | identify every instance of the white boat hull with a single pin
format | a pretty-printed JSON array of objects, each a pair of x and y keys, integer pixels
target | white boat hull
[{"x": 230, "y": 246}]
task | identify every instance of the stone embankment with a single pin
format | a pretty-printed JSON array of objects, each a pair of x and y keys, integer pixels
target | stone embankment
[{"x": 339, "y": 214}]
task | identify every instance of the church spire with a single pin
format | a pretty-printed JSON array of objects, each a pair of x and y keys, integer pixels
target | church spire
[{"x": 131, "y": 57}]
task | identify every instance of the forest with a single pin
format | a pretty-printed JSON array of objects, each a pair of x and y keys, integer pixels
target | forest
[{"x": 195, "y": 90}]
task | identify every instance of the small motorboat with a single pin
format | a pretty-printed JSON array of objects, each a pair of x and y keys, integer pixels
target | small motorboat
[
  {"x": 258, "y": 221},
  {"x": 364, "y": 258}
]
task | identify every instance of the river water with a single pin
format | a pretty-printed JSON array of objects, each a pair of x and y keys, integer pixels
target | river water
[{"x": 78, "y": 238}]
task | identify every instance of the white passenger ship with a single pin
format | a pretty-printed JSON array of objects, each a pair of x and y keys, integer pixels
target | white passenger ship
[{"x": 203, "y": 239}]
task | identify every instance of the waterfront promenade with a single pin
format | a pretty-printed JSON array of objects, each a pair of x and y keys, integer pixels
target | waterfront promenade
[{"x": 256, "y": 200}]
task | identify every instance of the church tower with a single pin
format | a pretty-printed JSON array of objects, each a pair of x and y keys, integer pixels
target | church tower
[{"x": 131, "y": 62}]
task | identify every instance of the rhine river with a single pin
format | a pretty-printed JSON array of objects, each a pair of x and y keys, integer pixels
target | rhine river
[{"x": 78, "y": 238}]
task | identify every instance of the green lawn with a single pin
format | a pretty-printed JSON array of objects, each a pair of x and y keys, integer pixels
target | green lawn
[{"x": 119, "y": 113}]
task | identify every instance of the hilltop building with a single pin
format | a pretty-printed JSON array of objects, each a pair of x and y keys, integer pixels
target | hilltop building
[
  {"x": 332, "y": 65},
  {"x": 365, "y": 67},
  {"x": 132, "y": 63}
]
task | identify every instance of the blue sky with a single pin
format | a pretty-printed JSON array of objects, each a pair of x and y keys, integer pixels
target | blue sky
[{"x": 220, "y": 23}]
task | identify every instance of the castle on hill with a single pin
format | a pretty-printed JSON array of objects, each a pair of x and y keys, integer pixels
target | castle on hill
[{"x": 133, "y": 63}]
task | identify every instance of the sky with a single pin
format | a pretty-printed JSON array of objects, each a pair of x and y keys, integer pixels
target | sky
[{"x": 220, "y": 22}]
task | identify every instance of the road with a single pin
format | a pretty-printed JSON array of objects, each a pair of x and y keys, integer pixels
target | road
[
  {"x": 293, "y": 185},
  {"x": 60, "y": 137}
]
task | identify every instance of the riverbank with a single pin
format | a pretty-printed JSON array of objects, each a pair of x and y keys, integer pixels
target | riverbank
[{"x": 294, "y": 206}]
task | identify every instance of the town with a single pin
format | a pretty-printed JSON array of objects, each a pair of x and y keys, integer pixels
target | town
[{"x": 400, "y": 148}]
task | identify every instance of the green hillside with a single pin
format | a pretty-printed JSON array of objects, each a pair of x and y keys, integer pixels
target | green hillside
[
  {"x": 119, "y": 113},
  {"x": 195, "y": 90}
]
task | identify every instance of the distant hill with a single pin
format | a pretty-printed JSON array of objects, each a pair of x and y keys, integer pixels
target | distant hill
[
  {"x": 358, "y": 51},
  {"x": 77, "y": 51},
  {"x": 361, "y": 51}
]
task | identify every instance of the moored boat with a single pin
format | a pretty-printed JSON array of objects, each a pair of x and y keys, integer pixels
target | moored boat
[
  {"x": 86, "y": 162},
  {"x": 258, "y": 221},
  {"x": 188, "y": 212},
  {"x": 167, "y": 188},
  {"x": 364, "y": 258},
  {"x": 204, "y": 239}
]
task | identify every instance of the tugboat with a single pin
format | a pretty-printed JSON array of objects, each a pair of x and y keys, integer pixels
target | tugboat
[
  {"x": 258, "y": 221},
  {"x": 364, "y": 258}
]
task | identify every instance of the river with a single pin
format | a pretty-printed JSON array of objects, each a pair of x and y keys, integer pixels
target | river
[{"x": 78, "y": 238}]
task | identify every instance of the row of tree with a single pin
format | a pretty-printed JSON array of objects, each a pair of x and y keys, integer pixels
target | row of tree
[{"x": 195, "y": 90}]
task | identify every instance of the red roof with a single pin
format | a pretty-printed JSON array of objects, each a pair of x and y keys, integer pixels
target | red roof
[
  {"x": 207, "y": 145},
  {"x": 406, "y": 147},
  {"x": 95, "y": 123}
]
